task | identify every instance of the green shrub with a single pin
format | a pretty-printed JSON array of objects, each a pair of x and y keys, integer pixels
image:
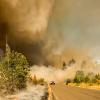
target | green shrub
[
  {"x": 36, "y": 81},
  {"x": 86, "y": 79},
  {"x": 79, "y": 77},
  {"x": 13, "y": 71},
  {"x": 91, "y": 77},
  {"x": 68, "y": 81},
  {"x": 97, "y": 76}
]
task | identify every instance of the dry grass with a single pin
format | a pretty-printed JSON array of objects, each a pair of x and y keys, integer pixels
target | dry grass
[{"x": 86, "y": 85}]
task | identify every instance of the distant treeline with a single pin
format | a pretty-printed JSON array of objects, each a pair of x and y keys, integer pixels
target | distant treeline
[{"x": 80, "y": 77}]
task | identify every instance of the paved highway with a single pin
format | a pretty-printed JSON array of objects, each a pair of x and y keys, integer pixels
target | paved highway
[{"x": 63, "y": 92}]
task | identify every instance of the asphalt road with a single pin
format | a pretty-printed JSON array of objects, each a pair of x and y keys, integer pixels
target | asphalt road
[{"x": 62, "y": 92}]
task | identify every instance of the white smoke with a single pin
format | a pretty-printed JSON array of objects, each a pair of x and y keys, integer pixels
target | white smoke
[
  {"x": 52, "y": 73},
  {"x": 58, "y": 75},
  {"x": 32, "y": 93}
]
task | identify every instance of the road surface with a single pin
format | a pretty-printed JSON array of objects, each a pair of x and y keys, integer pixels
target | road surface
[{"x": 63, "y": 92}]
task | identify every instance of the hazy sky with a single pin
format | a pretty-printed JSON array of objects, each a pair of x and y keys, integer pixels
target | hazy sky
[{"x": 77, "y": 23}]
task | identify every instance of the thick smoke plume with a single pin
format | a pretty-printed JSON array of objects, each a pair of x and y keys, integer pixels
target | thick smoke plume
[
  {"x": 25, "y": 23},
  {"x": 43, "y": 29},
  {"x": 22, "y": 16}
]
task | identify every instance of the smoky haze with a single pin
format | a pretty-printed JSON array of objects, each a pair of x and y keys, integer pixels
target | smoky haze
[
  {"x": 41, "y": 29},
  {"x": 77, "y": 24}
]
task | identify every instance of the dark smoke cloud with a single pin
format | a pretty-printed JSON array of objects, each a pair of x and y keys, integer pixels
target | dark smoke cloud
[
  {"x": 25, "y": 22},
  {"x": 41, "y": 28}
]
